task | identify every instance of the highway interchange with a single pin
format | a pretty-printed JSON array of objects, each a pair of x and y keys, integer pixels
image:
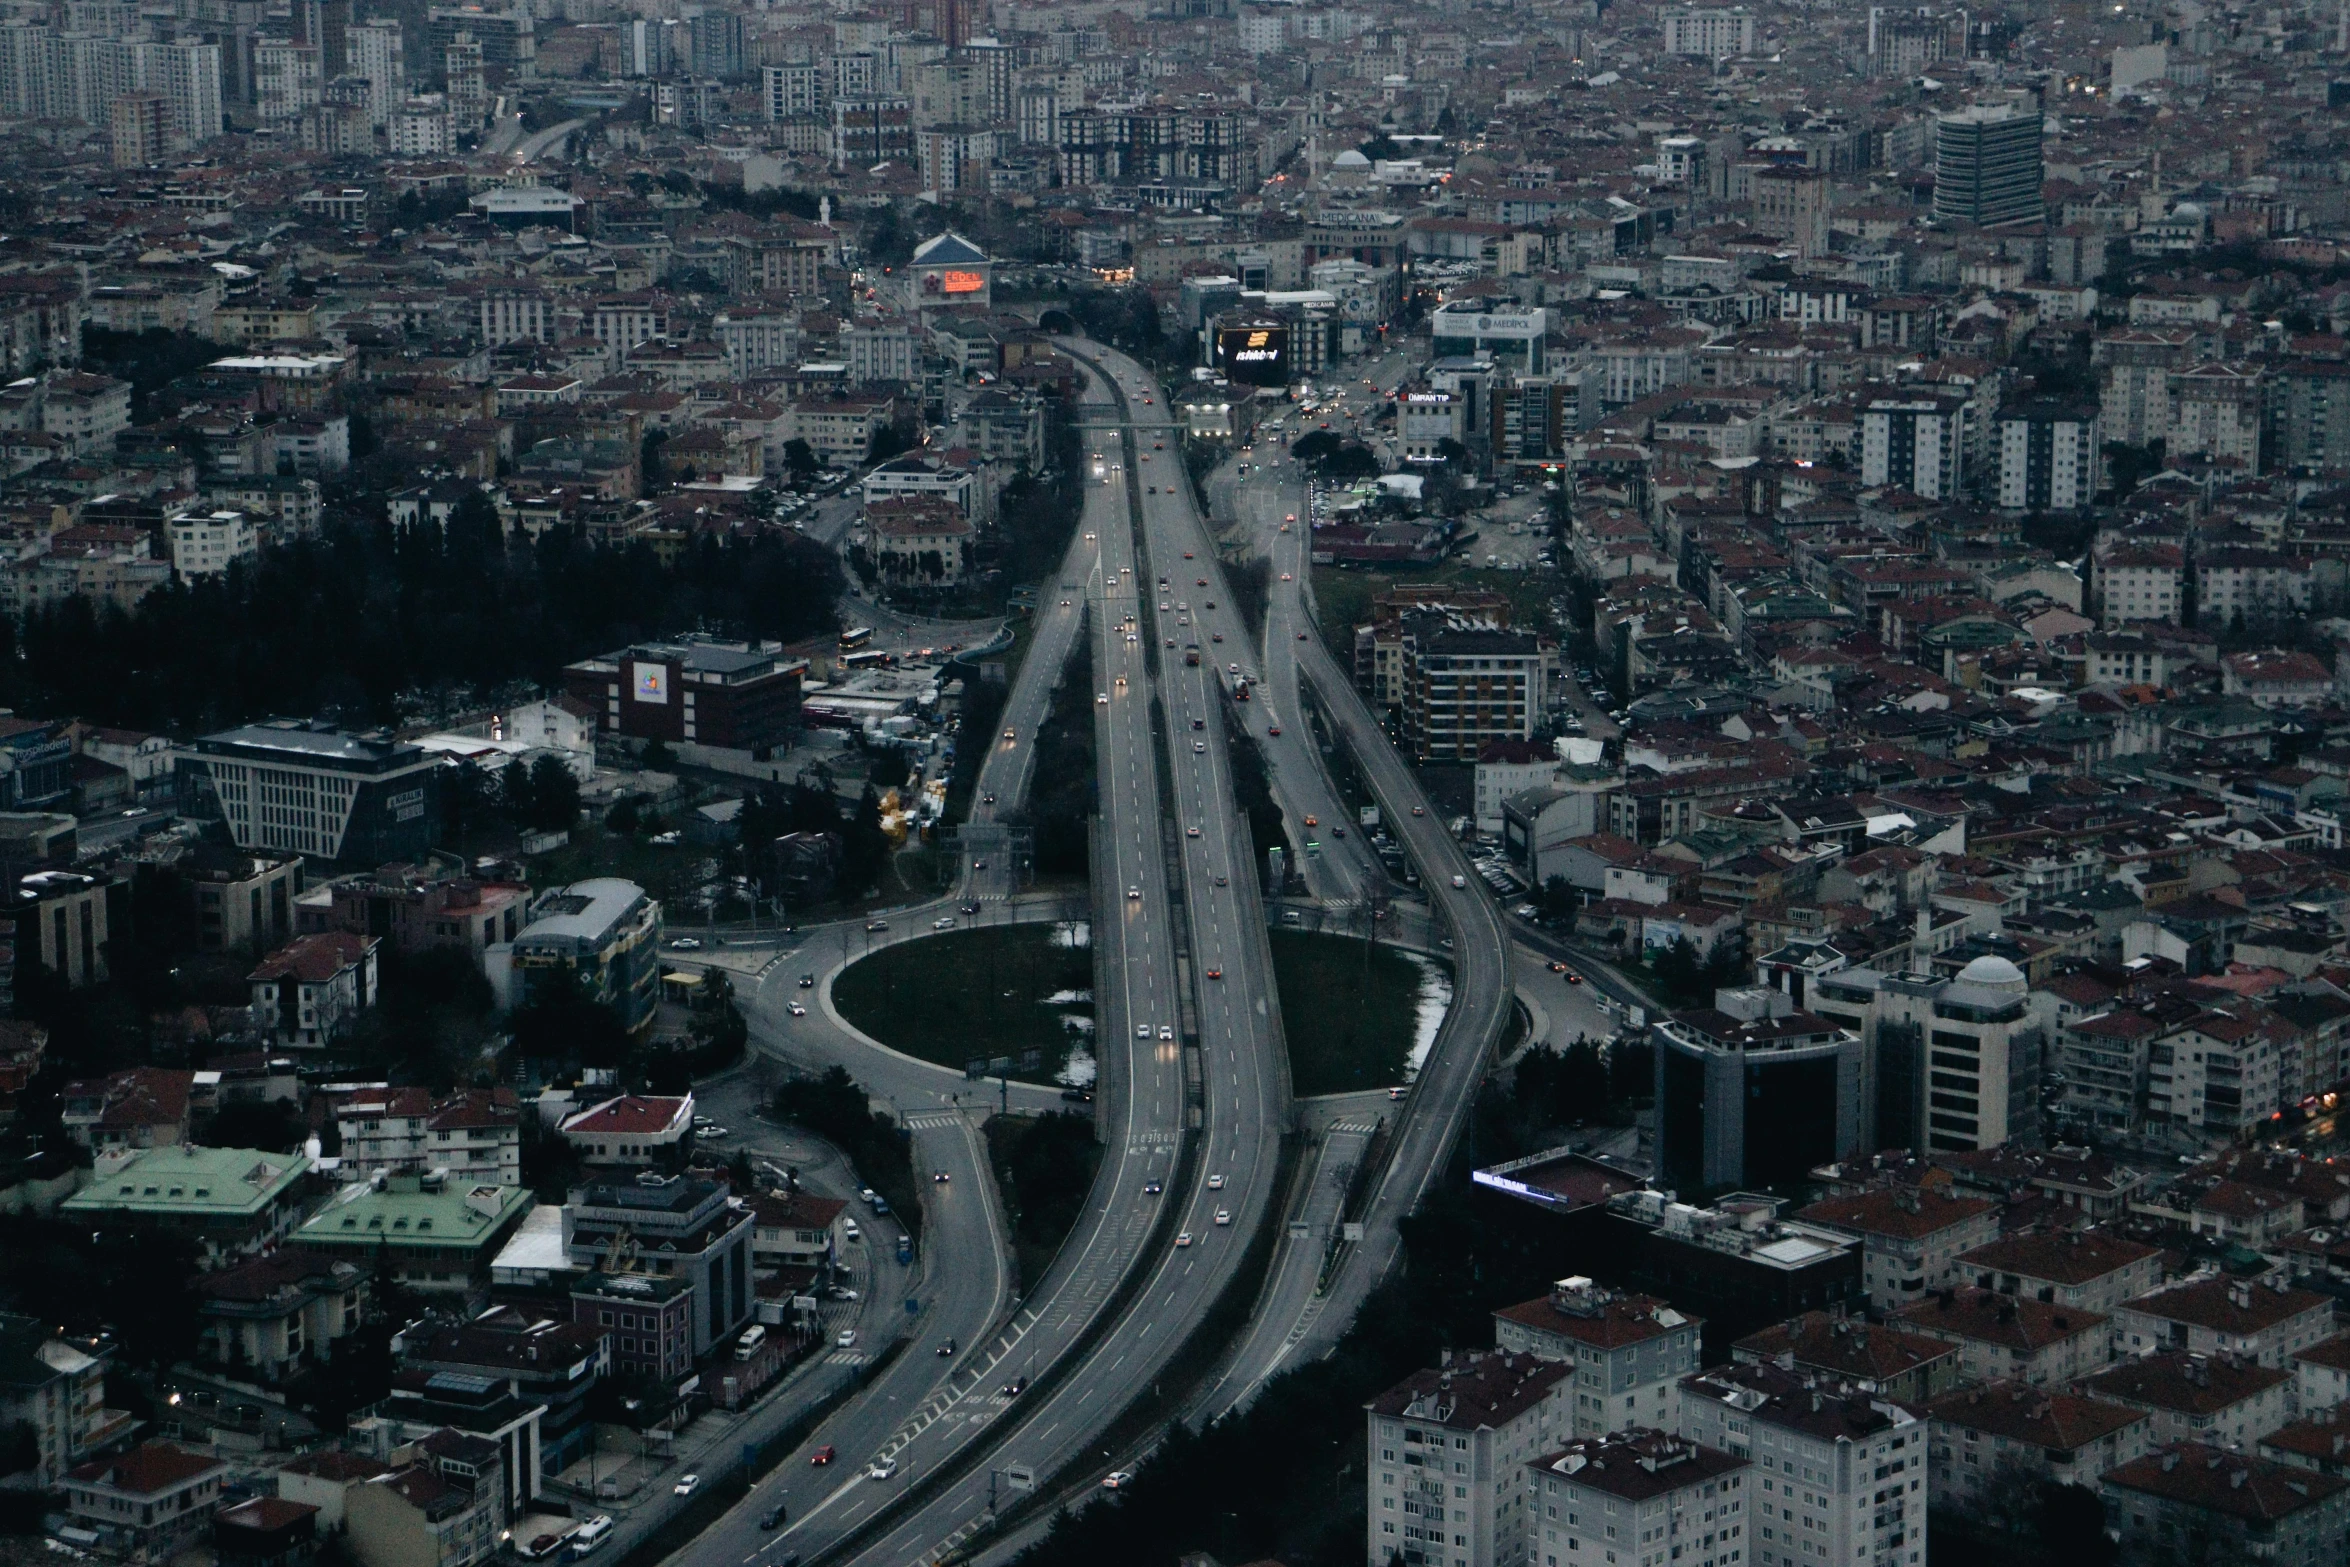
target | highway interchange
[{"x": 1194, "y": 1095}]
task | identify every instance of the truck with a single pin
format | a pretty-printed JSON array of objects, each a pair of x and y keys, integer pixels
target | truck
[{"x": 1191, "y": 655}]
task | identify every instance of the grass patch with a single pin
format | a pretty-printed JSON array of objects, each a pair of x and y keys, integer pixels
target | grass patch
[
  {"x": 969, "y": 993},
  {"x": 1348, "y": 1010},
  {"x": 1044, "y": 1167}
]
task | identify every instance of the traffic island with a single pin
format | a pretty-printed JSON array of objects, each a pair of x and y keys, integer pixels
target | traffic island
[
  {"x": 1355, "y": 1012},
  {"x": 1022, "y": 993}
]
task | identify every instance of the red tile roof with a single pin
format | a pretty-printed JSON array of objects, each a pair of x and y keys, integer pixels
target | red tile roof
[{"x": 149, "y": 1469}]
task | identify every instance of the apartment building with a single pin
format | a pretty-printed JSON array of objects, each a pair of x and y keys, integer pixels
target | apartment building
[
  {"x": 675, "y": 1226},
  {"x": 1911, "y": 1237},
  {"x": 2226, "y": 1400},
  {"x": 1448, "y": 1455},
  {"x": 2049, "y": 452},
  {"x": 1916, "y": 442},
  {"x": 2218, "y": 1077},
  {"x": 2006, "y": 1337},
  {"x": 2245, "y": 1508},
  {"x": 2087, "y": 1270},
  {"x": 474, "y": 1134},
  {"x": 2266, "y": 1320},
  {"x": 1641, "y": 1495},
  {"x": 1839, "y": 1473},
  {"x": 1986, "y": 1437},
  {"x": 1629, "y": 1351}
]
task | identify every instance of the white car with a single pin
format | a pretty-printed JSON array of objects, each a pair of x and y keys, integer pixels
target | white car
[
  {"x": 1142, "y": 1031},
  {"x": 687, "y": 1485},
  {"x": 797, "y": 1010},
  {"x": 846, "y": 1338},
  {"x": 944, "y": 922},
  {"x": 1215, "y": 1183},
  {"x": 882, "y": 1469},
  {"x": 1165, "y": 1032},
  {"x": 1223, "y": 1216}
]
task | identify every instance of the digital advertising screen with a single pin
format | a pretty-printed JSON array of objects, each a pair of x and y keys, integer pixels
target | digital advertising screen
[{"x": 1254, "y": 355}]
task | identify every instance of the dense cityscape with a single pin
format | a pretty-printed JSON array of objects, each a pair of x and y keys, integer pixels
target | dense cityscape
[{"x": 1495, "y": 783}]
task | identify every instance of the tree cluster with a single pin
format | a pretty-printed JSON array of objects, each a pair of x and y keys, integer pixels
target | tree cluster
[
  {"x": 353, "y": 621},
  {"x": 835, "y": 1109},
  {"x": 771, "y": 811}
]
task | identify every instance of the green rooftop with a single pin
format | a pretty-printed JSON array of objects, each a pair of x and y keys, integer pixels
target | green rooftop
[
  {"x": 187, "y": 1181},
  {"x": 403, "y": 1213}
]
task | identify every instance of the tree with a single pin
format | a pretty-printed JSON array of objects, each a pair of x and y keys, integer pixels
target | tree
[
  {"x": 800, "y": 459},
  {"x": 888, "y": 442},
  {"x": 563, "y": 1023},
  {"x": 1558, "y": 898},
  {"x": 274, "y": 1127},
  {"x": 554, "y": 795}
]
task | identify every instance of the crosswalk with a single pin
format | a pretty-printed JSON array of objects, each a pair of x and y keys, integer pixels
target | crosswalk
[
  {"x": 847, "y": 1357},
  {"x": 1358, "y": 1128},
  {"x": 931, "y": 1120}
]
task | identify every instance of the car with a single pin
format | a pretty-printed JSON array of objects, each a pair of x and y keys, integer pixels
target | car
[
  {"x": 1417, "y": 811},
  {"x": 1275, "y": 729},
  {"x": 1187, "y": 554},
  {"x": 1199, "y": 748},
  {"x": 970, "y": 908},
  {"x": 807, "y": 982},
  {"x": 1292, "y": 517},
  {"x": 1170, "y": 642},
  {"x": 1133, "y": 892},
  {"x": 840, "y": 1292},
  {"x": 1338, "y": 830},
  {"x": 1101, "y": 699},
  {"x": 1158, "y": 446},
  {"x": 1117, "y": 1479},
  {"x": 1215, "y": 1183},
  {"x": 1077, "y": 1096},
  {"x": 687, "y": 1485},
  {"x": 1395, "y": 1093},
  {"x": 1064, "y": 603},
  {"x": 687, "y": 944},
  {"x": 979, "y": 865},
  {"x": 772, "y": 1518},
  {"x": 1199, "y": 723},
  {"x": 1152, "y": 1188},
  {"x": 940, "y": 1177},
  {"x": 881, "y": 1469},
  {"x": 1142, "y": 1031},
  {"x": 1232, "y": 669},
  {"x": 846, "y": 1338},
  {"x": 946, "y": 1349},
  {"x": 1191, "y": 832},
  {"x": 1203, "y": 582},
  {"x": 1166, "y": 1031},
  {"x": 1154, "y": 489},
  {"x": 1215, "y": 636},
  {"x": 1223, "y": 1216},
  {"x": 1215, "y": 973},
  {"x": 943, "y": 922},
  {"x": 1301, "y": 636},
  {"x": 1574, "y": 978},
  {"x": 797, "y": 1010},
  {"x": 1287, "y": 577},
  {"x": 715, "y": 1133},
  {"x": 1183, "y": 1239},
  {"x": 1011, "y": 734},
  {"x": 1222, "y": 882},
  {"x": 1313, "y": 821},
  {"x": 822, "y": 1456},
  {"x": 1558, "y": 968},
  {"x": 872, "y": 926},
  {"x": 1014, "y": 1388},
  {"x": 987, "y": 799}
]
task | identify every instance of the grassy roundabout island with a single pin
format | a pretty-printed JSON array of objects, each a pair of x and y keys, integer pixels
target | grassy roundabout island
[
  {"x": 1001, "y": 990},
  {"x": 1356, "y": 1015}
]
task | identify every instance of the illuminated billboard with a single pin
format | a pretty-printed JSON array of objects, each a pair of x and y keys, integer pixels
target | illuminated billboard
[
  {"x": 1255, "y": 355},
  {"x": 651, "y": 682},
  {"x": 960, "y": 282}
]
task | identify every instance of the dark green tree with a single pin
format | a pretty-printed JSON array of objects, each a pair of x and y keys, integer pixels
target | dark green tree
[{"x": 554, "y": 795}]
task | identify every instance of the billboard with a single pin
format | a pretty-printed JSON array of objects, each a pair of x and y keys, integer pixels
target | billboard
[
  {"x": 961, "y": 282},
  {"x": 651, "y": 682},
  {"x": 1254, "y": 355}
]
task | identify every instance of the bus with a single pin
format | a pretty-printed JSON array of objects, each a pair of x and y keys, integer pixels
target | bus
[
  {"x": 873, "y": 659},
  {"x": 856, "y": 636}
]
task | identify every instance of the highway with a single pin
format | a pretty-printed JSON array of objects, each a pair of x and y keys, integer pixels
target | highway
[
  {"x": 1227, "y": 1031},
  {"x": 907, "y": 1433}
]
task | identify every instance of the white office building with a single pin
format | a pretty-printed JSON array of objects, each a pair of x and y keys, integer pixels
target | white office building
[{"x": 1710, "y": 33}]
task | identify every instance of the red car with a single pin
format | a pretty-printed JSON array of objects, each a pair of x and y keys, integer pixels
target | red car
[{"x": 823, "y": 1455}]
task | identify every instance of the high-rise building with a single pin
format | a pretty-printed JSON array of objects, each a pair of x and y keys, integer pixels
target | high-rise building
[
  {"x": 286, "y": 79},
  {"x": 139, "y": 126},
  {"x": 1792, "y": 204},
  {"x": 378, "y": 52},
  {"x": 1903, "y": 42},
  {"x": 788, "y": 91},
  {"x": 2047, "y": 455},
  {"x": 326, "y": 25},
  {"x": 1987, "y": 165},
  {"x": 1958, "y": 1061},
  {"x": 468, "y": 84},
  {"x": 1709, "y": 33},
  {"x": 1753, "y": 1093},
  {"x": 717, "y": 47},
  {"x": 508, "y": 39},
  {"x": 187, "y": 73},
  {"x": 1917, "y": 442}
]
